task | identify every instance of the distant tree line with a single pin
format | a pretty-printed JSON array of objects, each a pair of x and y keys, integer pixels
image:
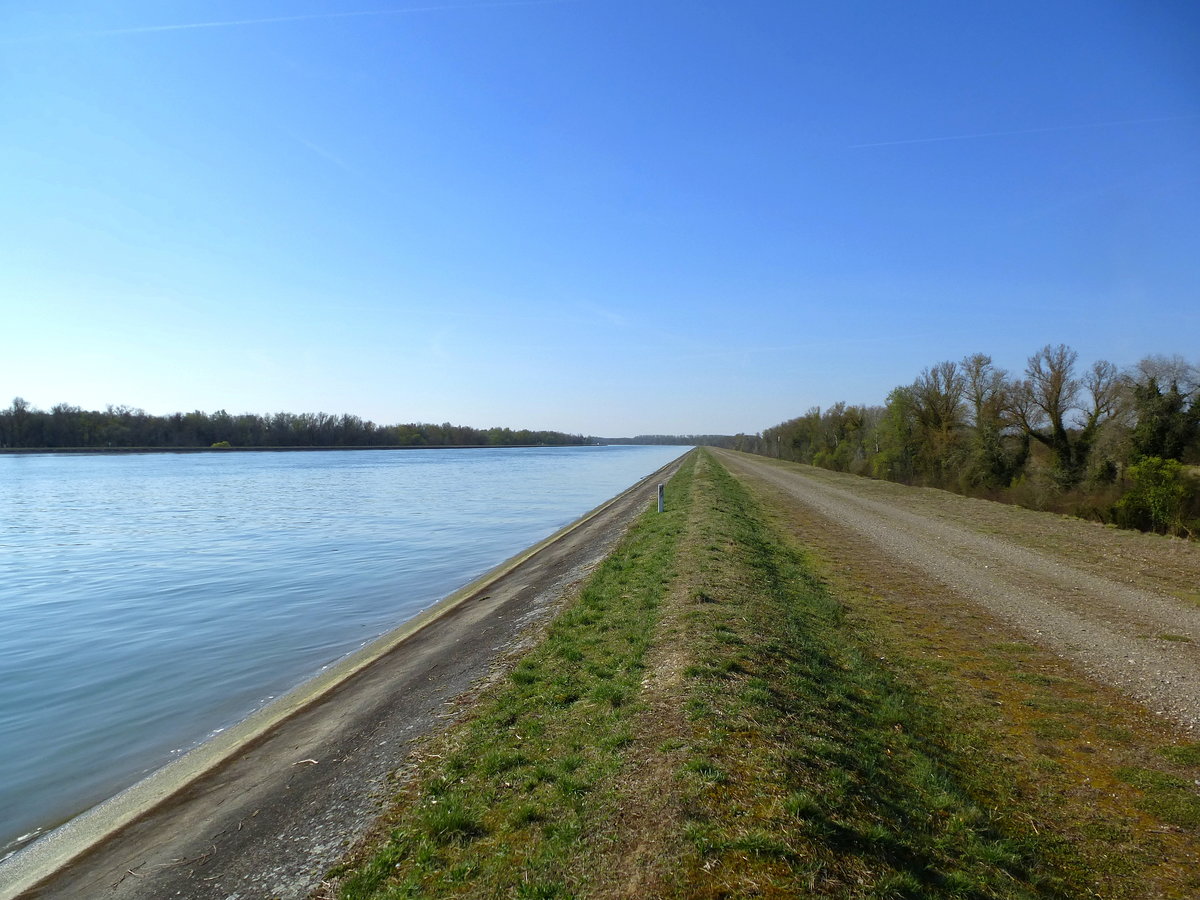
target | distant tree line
[
  {"x": 1119, "y": 446},
  {"x": 677, "y": 440},
  {"x": 65, "y": 426}
]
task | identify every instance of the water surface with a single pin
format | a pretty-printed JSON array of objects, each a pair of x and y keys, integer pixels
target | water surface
[{"x": 148, "y": 601}]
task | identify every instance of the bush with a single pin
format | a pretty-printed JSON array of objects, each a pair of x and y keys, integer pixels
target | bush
[{"x": 1159, "y": 498}]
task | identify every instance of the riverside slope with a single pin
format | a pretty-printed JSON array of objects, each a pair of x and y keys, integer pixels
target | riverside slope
[{"x": 273, "y": 815}]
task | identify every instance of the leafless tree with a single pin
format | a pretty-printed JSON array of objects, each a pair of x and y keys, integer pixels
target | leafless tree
[
  {"x": 1062, "y": 410},
  {"x": 1167, "y": 371},
  {"x": 986, "y": 390},
  {"x": 938, "y": 393}
]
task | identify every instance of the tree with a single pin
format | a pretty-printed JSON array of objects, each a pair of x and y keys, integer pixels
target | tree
[
  {"x": 843, "y": 432},
  {"x": 1167, "y": 421},
  {"x": 937, "y": 403},
  {"x": 995, "y": 457},
  {"x": 796, "y": 439},
  {"x": 1051, "y": 393},
  {"x": 897, "y": 442},
  {"x": 15, "y": 423},
  {"x": 64, "y": 427}
]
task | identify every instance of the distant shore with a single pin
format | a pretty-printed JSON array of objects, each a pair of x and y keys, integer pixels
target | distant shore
[{"x": 37, "y": 451}]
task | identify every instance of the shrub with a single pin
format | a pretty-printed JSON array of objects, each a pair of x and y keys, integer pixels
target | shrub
[{"x": 1158, "y": 498}]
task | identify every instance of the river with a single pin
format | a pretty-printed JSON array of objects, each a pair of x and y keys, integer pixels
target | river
[{"x": 148, "y": 601}]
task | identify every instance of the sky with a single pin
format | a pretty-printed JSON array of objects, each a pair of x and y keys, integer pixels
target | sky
[{"x": 605, "y": 217}]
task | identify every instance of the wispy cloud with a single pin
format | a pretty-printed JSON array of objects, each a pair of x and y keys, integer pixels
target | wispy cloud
[
  {"x": 1022, "y": 131},
  {"x": 775, "y": 352},
  {"x": 325, "y": 154},
  {"x": 309, "y": 17},
  {"x": 610, "y": 316}
]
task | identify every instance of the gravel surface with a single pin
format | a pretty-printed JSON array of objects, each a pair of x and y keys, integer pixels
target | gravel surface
[{"x": 1123, "y": 606}]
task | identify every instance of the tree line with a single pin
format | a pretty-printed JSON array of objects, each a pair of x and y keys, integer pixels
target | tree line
[
  {"x": 64, "y": 426},
  {"x": 1121, "y": 446},
  {"x": 678, "y": 440}
]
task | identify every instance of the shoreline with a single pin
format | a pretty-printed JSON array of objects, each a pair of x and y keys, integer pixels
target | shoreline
[
  {"x": 108, "y": 451},
  {"x": 53, "y": 855}
]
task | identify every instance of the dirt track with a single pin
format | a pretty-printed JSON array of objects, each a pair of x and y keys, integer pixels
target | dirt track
[
  {"x": 272, "y": 820},
  {"x": 1121, "y": 605}
]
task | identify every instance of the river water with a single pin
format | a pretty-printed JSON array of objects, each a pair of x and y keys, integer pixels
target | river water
[{"x": 149, "y": 601}]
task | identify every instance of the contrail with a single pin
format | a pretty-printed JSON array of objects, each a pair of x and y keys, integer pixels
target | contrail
[
  {"x": 991, "y": 134},
  {"x": 324, "y": 154},
  {"x": 310, "y": 17}
]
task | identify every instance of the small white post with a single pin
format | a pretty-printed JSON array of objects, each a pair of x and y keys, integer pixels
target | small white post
[{"x": 660, "y": 498}]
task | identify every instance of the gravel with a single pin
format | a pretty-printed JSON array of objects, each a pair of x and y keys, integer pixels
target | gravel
[{"x": 1118, "y": 604}]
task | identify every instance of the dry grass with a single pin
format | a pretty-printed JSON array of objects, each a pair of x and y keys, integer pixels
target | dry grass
[{"x": 1073, "y": 748}]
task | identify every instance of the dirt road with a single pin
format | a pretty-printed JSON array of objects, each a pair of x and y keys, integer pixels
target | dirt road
[
  {"x": 1122, "y": 605},
  {"x": 270, "y": 818}
]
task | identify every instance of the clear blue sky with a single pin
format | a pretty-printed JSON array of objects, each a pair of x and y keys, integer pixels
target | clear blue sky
[{"x": 599, "y": 216}]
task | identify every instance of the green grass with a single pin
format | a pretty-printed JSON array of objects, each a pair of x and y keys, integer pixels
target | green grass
[
  {"x": 1165, "y": 796},
  {"x": 815, "y": 770},
  {"x": 1182, "y": 754}
]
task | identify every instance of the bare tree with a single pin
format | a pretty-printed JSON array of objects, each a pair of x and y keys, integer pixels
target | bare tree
[
  {"x": 939, "y": 393},
  {"x": 937, "y": 398},
  {"x": 996, "y": 454},
  {"x": 1048, "y": 407},
  {"x": 1167, "y": 371},
  {"x": 985, "y": 390}
]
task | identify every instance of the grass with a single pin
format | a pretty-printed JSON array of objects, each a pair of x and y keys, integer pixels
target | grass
[
  {"x": 1167, "y": 797},
  {"x": 1059, "y": 739},
  {"x": 814, "y": 770},
  {"x": 710, "y": 718}
]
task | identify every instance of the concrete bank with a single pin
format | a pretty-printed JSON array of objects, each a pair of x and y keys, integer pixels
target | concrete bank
[{"x": 267, "y": 807}]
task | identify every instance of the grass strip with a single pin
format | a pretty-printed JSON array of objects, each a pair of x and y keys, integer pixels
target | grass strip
[
  {"x": 505, "y": 806},
  {"x": 814, "y": 769}
]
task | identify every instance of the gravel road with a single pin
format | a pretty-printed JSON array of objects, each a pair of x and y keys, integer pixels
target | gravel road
[{"x": 1123, "y": 606}]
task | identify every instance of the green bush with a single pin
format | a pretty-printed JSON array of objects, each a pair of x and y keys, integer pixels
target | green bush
[{"x": 1160, "y": 495}]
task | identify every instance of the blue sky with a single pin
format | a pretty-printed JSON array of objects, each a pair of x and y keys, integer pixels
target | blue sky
[{"x": 599, "y": 216}]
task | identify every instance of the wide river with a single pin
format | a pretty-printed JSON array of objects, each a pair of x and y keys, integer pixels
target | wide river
[{"x": 148, "y": 601}]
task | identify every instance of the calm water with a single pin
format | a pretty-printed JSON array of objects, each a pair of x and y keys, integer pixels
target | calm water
[{"x": 148, "y": 601}]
